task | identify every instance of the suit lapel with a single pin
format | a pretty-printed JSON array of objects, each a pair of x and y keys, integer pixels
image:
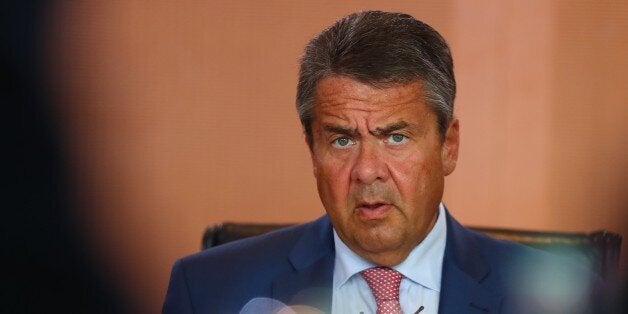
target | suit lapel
[
  {"x": 463, "y": 289},
  {"x": 312, "y": 259}
]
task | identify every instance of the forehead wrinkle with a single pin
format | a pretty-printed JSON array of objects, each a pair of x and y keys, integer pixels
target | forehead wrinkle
[
  {"x": 331, "y": 128},
  {"x": 386, "y": 108},
  {"x": 384, "y": 125},
  {"x": 344, "y": 91}
]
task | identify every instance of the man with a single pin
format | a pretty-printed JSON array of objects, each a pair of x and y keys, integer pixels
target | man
[{"x": 375, "y": 98}]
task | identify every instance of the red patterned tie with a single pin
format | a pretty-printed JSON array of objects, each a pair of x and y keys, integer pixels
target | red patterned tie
[{"x": 384, "y": 283}]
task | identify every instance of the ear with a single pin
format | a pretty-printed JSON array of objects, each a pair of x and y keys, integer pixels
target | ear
[{"x": 449, "y": 149}]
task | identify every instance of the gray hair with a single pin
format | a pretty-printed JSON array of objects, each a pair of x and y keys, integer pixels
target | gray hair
[{"x": 381, "y": 49}]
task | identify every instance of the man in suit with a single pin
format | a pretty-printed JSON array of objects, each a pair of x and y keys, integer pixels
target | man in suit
[{"x": 375, "y": 98}]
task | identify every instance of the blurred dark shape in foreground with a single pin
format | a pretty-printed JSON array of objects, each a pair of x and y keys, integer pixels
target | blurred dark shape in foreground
[{"x": 47, "y": 262}]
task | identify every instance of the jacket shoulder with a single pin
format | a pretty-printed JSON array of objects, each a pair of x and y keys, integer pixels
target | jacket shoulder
[
  {"x": 226, "y": 276},
  {"x": 534, "y": 279},
  {"x": 508, "y": 256}
]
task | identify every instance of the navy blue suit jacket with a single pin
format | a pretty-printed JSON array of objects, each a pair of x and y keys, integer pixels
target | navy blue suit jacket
[{"x": 295, "y": 266}]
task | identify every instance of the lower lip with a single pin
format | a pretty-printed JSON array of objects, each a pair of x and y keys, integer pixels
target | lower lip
[{"x": 373, "y": 212}]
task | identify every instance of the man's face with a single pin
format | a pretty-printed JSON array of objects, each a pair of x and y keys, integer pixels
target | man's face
[{"x": 379, "y": 163}]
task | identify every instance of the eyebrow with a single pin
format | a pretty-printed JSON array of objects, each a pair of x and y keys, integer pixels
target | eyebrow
[
  {"x": 390, "y": 128},
  {"x": 378, "y": 131}
]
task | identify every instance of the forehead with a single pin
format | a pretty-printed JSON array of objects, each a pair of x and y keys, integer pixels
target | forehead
[{"x": 339, "y": 96}]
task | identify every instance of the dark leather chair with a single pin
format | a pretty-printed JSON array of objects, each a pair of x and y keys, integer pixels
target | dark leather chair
[{"x": 599, "y": 249}]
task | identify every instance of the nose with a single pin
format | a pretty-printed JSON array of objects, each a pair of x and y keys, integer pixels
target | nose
[{"x": 370, "y": 165}]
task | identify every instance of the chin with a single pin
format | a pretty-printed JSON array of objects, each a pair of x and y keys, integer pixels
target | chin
[{"x": 381, "y": 241}]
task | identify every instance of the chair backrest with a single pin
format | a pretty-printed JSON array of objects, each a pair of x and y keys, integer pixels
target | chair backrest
[{"x": 599, "y": 249}]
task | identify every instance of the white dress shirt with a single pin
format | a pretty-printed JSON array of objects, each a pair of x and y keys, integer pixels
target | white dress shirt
[{"x": 421, "y": 270}]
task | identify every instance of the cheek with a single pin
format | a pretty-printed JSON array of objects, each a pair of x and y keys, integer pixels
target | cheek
[
  {"x": 415, "y": 175},
  {"x": 332, "y": 179}
]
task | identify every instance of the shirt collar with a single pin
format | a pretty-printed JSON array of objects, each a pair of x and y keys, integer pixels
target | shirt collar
[{"x": 423, "y": 265}]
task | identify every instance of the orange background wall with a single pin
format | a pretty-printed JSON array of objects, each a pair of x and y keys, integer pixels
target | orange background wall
[{"x": 181, "y": 114}]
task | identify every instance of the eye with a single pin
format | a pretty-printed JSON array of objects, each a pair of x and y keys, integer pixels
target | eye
[
  {"x": 342, "y": 142},
  {"x": 397, "y": 139}
]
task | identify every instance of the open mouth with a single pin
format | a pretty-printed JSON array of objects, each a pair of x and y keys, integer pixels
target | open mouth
[
  {"x": 371, "y": 206},
  {"x": 374, "y": 210}
]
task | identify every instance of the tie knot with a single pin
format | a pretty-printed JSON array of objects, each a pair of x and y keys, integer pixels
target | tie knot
[{"x": 384, "y": 282}]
